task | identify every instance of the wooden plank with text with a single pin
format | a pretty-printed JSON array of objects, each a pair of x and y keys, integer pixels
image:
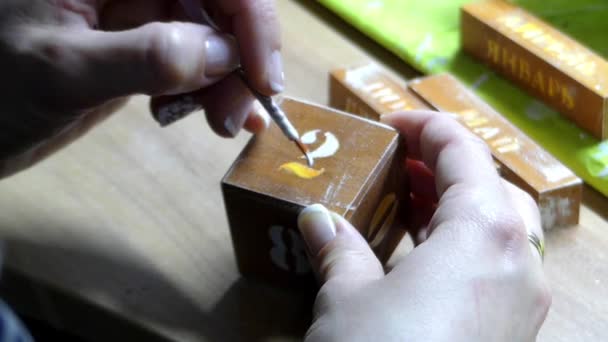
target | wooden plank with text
[
  {"x": 368, "y": 91},
  {"x": 554, "y": 187},
  {"x": 557, "y": 191},
  {"x": 542, "y": 60},
  {"x": 358, "y": 173}
]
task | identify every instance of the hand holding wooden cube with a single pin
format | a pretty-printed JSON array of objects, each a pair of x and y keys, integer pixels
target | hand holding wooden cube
[{"x": 358, "y": 173}]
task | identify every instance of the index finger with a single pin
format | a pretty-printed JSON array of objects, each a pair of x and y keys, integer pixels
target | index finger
[
  {"x": 472, "y": 197},
  {"x": 455, "y": 155},
  {"x": 256, "y": 27}
]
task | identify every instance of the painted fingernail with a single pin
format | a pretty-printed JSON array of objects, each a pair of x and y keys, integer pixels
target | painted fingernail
[
  {"x": 276, "y": 77},
  {"x": 175, "y": 110},
  {"x": 317, "y": 227},
  {"x": 221, "y": 55}
]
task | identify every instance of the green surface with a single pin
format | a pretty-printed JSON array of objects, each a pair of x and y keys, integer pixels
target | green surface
[{"x": 426, "y": 35}]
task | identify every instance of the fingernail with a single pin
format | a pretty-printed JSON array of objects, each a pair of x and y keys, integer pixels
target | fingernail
[
  {"x": 231, "y": 126},
  {"x": 317, "y": 227},
  {"x": 258, "y": 120},
  {"x": 276, "y": 77},
  {"x": 175, "y": 110},
  {"x": 221, "y": 55},
  {"x": 261, "y": 112}
]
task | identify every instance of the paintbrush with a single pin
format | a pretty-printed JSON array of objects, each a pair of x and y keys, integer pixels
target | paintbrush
[
  {"x": 278, "y": 116},
  {"x": 199, "y": 15}
]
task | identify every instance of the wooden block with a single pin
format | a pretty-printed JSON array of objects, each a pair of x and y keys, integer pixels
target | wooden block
[
  {"x": 542, "y": 60},
  {"x": 354, "y": 90},
  {"x": 358, "y": 173},
  {"x": 523, "y": 162},
  {"x": 555, "y": 188},
  {"x": 368, "y": 91}
]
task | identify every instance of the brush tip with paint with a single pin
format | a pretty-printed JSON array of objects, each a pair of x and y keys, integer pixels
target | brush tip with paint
[{"x": 304, "y": 150}]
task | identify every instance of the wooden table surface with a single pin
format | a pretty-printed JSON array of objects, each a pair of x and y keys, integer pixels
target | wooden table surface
[{"x": 124, "y": 232}]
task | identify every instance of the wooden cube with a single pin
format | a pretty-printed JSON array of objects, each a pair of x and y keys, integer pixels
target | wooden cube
[{"x": 357, "y": 173}]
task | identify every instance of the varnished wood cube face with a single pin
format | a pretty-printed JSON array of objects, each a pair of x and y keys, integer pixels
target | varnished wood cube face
[{"x": 357, "y": 173}]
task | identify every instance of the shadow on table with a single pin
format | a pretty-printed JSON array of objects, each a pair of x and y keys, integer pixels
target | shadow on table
[
  {"x": 246, "y": 311},
  {"x": 260, "y": 312},
  {"x": 595, "y": 201}
]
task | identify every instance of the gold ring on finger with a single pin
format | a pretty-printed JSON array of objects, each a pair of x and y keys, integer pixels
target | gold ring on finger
[{"x": 538, "y": 244}]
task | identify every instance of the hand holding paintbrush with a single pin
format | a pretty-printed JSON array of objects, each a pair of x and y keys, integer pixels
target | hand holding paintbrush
[{"x": 173, "y": 111}]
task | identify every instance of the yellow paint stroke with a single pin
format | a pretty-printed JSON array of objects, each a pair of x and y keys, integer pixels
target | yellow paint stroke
[
  {"x": 301, "y": 170},
  {"x": 382, "y": 220}
]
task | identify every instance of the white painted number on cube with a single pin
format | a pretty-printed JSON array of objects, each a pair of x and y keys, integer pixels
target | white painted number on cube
[{"x": 330, "y": 145}]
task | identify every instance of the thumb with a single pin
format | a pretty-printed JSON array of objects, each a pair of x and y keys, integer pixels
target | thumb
[
  {"x": 154, "y": 59},
  {"x": 336, "y": 248}
]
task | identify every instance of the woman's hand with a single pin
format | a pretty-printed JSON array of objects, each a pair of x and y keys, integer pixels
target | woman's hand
[
  {"x": 68, "y": 64},
  {"x": 473, "y": 275}
]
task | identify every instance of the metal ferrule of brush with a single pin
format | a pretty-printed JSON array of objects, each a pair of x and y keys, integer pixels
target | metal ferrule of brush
[
  {"x": 280, "y": 118},
  {"x": 277, "y": 115},
  {"x": 201, "y": 16}
]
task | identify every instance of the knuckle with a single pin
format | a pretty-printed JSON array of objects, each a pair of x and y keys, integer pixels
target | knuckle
[
  {"x": 476, "y": 145},
  {"x": 507, "y": 229},
  {"x": 44, "y": 50},
  {"x": 161, "y": 41},
  {"x": 50, "y": 58},
  {"x": 480, "y": 145},
  {"x": 434, "y": 132},
  {"x": 438, "y": 122},
  {"x": 452, "y": 133}
]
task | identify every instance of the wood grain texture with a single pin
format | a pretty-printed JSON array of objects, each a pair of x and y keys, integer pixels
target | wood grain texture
[
  {"x": 361, "y": 177},
  {"x": 130, "y": 219}
]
